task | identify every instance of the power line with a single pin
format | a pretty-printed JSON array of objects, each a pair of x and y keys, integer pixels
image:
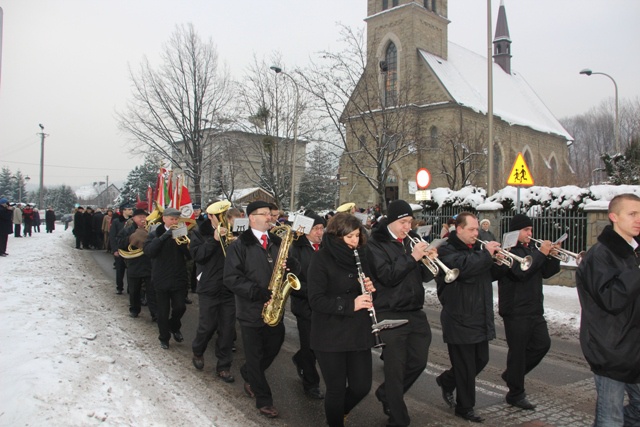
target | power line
[{"x": 68, "y": 167}]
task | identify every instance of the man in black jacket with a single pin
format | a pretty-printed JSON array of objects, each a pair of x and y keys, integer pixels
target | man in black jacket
[
  {"x": 467, "y": 313},
  {"x": 608, "y": 281},
  {"x": 169, "y": 276},
  {"x": 522, "y": 310},
  {"x": 117, "y": 224},
  {"x": 78, "y": 226},
  {"x": 247, "y": 272},
  {"x": 217, "y": 304},
  {"x": 398, "y": 273},
  {"x": 134, "y": 234},
  {"x": 302, "y": 250}
]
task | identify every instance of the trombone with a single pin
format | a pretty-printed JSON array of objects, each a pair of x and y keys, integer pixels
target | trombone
[
  {"x": 435, "y": 265},
  {"x": 562, "y": 254},
  {"x": 508, "y": 259}
]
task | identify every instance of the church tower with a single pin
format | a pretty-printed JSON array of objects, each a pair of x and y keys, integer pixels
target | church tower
[{"x": 502, "y": 41}]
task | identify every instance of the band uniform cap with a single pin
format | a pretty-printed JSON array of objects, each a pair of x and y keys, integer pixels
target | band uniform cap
[
  {"x": 254, "y": 206},
  {"x": 520, "y": 221},
  {"x": 398, "y": 209},
  {"x": 218, "y": 207},
  {"x": 140, "y": 212},
  {"x": 126, "y": 206},
  {"x": 346, "y": 207},
  {"x": 171, "y": 212},
  {"x": 196, "y": 206}
]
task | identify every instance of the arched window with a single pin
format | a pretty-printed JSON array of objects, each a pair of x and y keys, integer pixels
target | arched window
[
  {"x": 553, "y": 176},
  {"x": 391, "y": 75},
  {"x": 497, "y": 166},
  {"x": 426, "y": 4},
  {"x": 392, "y": 178},
  {"x": 394, "y": 3},
  {"x": 527, "y": 159},
  {"x": 434, "y": 136},
  {"x": 385, "y": 4},
  {"x": 433, "y": 6}
]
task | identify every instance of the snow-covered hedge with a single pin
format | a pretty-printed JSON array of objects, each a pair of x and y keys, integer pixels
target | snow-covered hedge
[{"x": 568, "y": 197}]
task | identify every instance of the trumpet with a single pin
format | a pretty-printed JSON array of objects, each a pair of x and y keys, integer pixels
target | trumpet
[
  {"x": 435, "y": 265},
  {"x": 562, "y": 254},
  {"x": 181, "y": 239},
  {"x": 508, "y": 259},
  {"x": 376, "y": 327}
]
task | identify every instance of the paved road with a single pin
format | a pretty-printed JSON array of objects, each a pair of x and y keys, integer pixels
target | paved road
[{"x": 562, "y": 385}]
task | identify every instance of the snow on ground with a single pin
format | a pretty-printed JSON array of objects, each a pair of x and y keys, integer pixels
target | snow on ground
[{"x": 69, "y": 357}]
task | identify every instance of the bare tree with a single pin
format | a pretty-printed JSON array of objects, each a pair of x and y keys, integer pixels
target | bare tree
[
  {"x": 468, "y": 158},
  {"x": 170, "y": 105}
]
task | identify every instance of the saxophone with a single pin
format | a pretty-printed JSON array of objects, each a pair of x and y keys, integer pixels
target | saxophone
[{"x": 281, "y": 282}]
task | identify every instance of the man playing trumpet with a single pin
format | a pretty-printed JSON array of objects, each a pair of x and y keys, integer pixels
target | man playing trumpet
[
  {"x": 521, "y": 308},
  {"x": 398, "y": 272}
]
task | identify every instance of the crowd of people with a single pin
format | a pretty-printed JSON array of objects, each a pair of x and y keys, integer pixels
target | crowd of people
[
  {"x": 353, "y": 279},
  {"x": 22, "y": 220}
]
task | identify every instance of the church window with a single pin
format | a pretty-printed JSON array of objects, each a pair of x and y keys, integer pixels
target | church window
[
  {"x": 385, "y": 4},
  {"x": 426, "y": 4},
  {"x": 433, "y": 6},
  {"x": 391, "y": 75},
  {"x": 394, "y": 3},
  {"x": 497, "y": 164},
  {"x": 434, "y": 136},
  {"x": 554, "y": 172},
  {"x": 392, "y": 177}
]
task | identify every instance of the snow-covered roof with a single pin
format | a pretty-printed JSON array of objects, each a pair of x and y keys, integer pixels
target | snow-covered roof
[
  {"x": 464, "y": 75},
  {"x": 86, "y": 192}
]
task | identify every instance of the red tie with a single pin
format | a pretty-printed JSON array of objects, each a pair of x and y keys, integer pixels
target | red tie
[
  {"x": 399, "y": 239},
  {"x": 264, "y": 240},
  {"x": 316, "y": 246}
]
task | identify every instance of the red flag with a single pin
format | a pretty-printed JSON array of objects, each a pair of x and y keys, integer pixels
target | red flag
[{"x": 150, "y": 197}]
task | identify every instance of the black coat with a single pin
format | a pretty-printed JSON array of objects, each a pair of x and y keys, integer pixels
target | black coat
[
  {"x": 302, "y": 251},
  {"x": 467, "y": 302},
  {"x": 78, "y": 224},
  {"x": 333, "y": 287},
  {"x": 247, "y": 268},
  {"x": 117, "y": 225},
  {"x": 168, "y": 260},
  {"x": 520, "y": 292},
  {"x": 6, "y": 220},
  {"x": 207, "y": 253},
  {"x": 96, "y": 223},
  {"x": 50, "y": 219},
  {"x": 139, "y": 266},
  {"x": 608, "y": 281},
  {"x": 397, "y": 276}
]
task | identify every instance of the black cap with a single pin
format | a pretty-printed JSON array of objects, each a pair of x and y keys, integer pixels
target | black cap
[
  {"x": 254, "y": 206},
  {"x": 317, "y": 219},
  {"x": 126, "y": 205},
  {"x": 139, "y": 212},
  {"x": 197, "y": 206},
  {"x": 520, "y": 221},
  {"x": 398, "y": 209}
]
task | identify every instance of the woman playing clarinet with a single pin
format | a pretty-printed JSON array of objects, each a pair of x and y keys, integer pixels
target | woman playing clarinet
[{"x": 340, "y": 324}]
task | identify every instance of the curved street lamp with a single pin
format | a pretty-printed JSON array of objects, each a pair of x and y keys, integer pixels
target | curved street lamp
[
  {"x": 588, "y": 72},
  {"x": 292, "y": 204}
]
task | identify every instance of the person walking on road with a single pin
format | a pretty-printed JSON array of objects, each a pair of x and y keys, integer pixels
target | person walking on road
[{"x": 6, "y": 225}]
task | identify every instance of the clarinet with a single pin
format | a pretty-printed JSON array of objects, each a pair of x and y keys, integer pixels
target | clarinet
[{"x": 372, "y": 311}]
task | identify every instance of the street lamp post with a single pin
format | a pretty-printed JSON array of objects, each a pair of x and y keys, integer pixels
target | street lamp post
[
  {"x": 588, "y": 72},
  {"x": 278, "y": 70},
  {"x": 42, "y": 137}
]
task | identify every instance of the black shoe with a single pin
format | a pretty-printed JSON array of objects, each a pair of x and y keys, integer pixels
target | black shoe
[
  {"x": 504, "y": 376},
  {"x": 447, "y": 396},
  {"x": 198, "y": 362},
  {"x": 299, "y": 370},
  {"x": 164, "y": 344},
  {"x": 4, "y": 254},
  {"x": 154, "y": 318},
  {"x": 143, "y": 302},
  {"x": 385, "y": 407},
  {"x": 314, "y": 393},
  {"x": 133, "y": 315},
  {"x": 187, "y": 301},
  {"x": 178, "y": 336},
  {"x": 119, "y": 292},
  {"x": 470, "y": 416},
  {"x": 226, "y": 376},
  {"x": 522, "y": 404}
]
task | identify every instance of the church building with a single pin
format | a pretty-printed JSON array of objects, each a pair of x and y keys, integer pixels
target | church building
[{"x": 422, "y": 103}]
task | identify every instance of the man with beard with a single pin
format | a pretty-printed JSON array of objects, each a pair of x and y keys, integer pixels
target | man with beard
[
  {"x": 247, "y": 272},
  {"x": 217, "y": 304},
  {"x": 117, "y": 225},
  {"x": 398, "y": 272},
  {"x": 168, "y": 275},
  {"x": 133, "y": 236},
  {"x": 303, "y": 249},
  {"x": 467, "y": 313}
]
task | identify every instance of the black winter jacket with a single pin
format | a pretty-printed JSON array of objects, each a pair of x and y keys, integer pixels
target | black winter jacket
[
  {"x": 333, "y": 286},
  {"x": 168, "y": 260},
  {"x": 117, "y": 225},
  {"x": 6, "y": 220},
  {"x": 302, "y": 250},
  {"x": 467, "y": 302},
  {"x": 136, "y": 267},
  {"x": 247, "y": 268},
  {"x": 396, "y": 274},
  {"x": 608, "y": 281},
  {"x": 520, "y": 292},
  {"x": 207, "y": 253}
]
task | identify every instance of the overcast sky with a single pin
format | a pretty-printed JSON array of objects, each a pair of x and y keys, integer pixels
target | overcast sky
[{"x": 65, "y": 62}]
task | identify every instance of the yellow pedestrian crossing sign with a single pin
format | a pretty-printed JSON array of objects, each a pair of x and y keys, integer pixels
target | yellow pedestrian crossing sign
[{"x": 520, "y": 174}]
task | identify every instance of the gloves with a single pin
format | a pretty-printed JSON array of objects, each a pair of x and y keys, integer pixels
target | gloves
[
  {"x": 166, "y": 235},
  {"x": 261, "y": 294}
]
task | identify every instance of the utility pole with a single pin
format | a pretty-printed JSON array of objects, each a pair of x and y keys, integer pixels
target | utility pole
[{"x": 42, "y": 137}]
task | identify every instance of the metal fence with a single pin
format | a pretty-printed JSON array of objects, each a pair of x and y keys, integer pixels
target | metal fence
[{"x": 440, "y": 216}]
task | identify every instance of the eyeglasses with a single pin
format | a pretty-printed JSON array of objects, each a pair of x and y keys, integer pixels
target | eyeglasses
[{"x": 262, "y": 213}]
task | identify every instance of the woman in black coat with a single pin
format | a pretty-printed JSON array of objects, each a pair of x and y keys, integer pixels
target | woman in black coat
[
  {"x": 50, "y": 219},
  {"x": 340, "y": 325}
]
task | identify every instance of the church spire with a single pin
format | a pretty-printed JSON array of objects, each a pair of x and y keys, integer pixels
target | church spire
[{"x": 502, "y": 41}]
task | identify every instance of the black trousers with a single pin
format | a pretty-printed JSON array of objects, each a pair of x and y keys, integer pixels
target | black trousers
[
  {"x": 528, "y": 340},
  {"x": 261, "y": 346},
  {"x": 216, "y": 315},
  {"x": 16, "y": 230},
  {"x": 171, "y": 308},
  {"x": 467, "y": 361},
  {"x": 347, "y": 376},
  {"x": 135, "y": 294},
  {"x": 405, "y": 358},
  {"x": 305, "y": 357},
  {"x": 120, "y": 270},
  {"x": 4, "y": 238}
]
